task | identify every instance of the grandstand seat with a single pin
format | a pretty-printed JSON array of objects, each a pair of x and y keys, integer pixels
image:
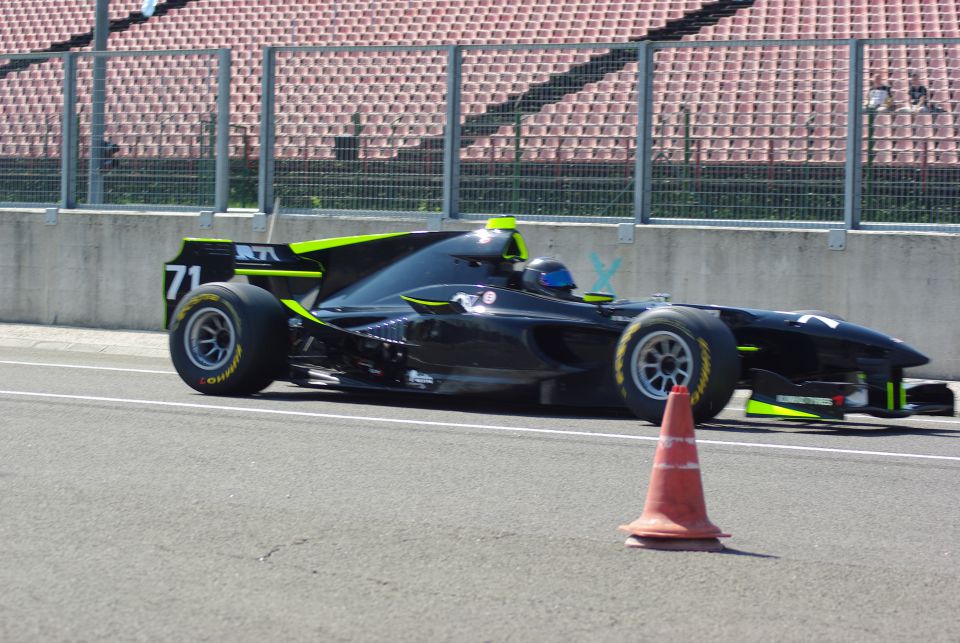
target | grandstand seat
[{"x": 710, "y": 81}]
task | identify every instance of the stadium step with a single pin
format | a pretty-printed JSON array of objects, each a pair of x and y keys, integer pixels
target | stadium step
[
  {"x": 573, "y": 80},
  {"x": 77, "y": 41}
]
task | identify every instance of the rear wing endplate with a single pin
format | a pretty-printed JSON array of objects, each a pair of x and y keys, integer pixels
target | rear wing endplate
[{"x": 205, "y": 260}]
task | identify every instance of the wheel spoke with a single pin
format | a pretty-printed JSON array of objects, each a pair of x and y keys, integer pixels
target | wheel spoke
[
  {"x": 663, "y": 347},
  {"x": 657, "y": 382}
]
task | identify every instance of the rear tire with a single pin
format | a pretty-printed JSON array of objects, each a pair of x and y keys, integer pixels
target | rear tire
[
  {"x": 228, "y": 339},
  {"x": 671, "y": 346}
]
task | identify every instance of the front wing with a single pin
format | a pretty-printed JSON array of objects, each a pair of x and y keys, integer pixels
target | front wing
[{"x": 776, "y": 396}]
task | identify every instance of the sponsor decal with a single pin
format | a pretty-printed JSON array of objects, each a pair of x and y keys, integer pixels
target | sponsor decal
[
  {"x": 465, "y": 300},
  {"x": 704, "y": 371},
  {"x": 224, "y": 376},
  {"x": 418, "y": 379},
  {"x": 256, "y": 253},
  {"x": 621, "y": 318},
  {"x": 489, "y": 297},
  {"x": 832, "y": 323},
  {"x": 620, "y": 359},
  {"x": 193, "y": 301},
  {"x": 809, "y": 401}
]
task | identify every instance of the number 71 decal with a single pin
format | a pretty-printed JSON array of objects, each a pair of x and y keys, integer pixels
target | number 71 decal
[{"x": 179, "y": 272}]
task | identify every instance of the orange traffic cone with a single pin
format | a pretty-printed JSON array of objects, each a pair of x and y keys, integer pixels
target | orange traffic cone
[{"x": 675, "y": 514}]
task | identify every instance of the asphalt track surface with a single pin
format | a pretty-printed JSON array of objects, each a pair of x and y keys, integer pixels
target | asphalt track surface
[{"x": 132, "y": 508}]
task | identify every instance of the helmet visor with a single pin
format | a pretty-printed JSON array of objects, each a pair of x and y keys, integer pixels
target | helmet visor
[{"x": 557, "y": 279}]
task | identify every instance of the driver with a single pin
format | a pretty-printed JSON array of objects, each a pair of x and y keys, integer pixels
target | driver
[{"x": 547, "y": 276}]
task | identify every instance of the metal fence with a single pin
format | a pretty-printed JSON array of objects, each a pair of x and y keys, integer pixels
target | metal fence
[
  {"x": 115, "y": 129},
  {"x": 32, "y": 122},
  {"x": 717, "y": 133}
]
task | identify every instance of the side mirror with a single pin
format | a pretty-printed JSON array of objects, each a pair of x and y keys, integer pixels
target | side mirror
[{"x": 597, "y": 297}]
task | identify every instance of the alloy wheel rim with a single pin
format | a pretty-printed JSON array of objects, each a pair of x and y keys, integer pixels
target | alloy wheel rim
[
  {"x": 210, "y": 339},
  {"x": 663, "y": 360}
]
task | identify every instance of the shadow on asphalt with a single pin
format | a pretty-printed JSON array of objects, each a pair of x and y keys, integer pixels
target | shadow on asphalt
[
  {"x": 464, "y": 404},
  {"x": 738, "y": 552},
  {"x": 839, "y": 429}
]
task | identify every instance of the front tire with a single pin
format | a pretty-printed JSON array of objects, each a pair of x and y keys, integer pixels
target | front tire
[
  {"x": 676, "y": 346},
  {"x": 228, "y": 339}
]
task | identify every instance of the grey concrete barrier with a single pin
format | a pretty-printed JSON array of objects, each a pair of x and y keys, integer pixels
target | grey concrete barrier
[{"x": 104, "y": 269}]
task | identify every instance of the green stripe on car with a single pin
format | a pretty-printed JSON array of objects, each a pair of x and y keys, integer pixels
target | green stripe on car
[
  {"x": 296, "y": 307},
  {"x": 304, "y": 247},
  {"x": 260, "y": 272},
  {"x": 755, "y": 407}
]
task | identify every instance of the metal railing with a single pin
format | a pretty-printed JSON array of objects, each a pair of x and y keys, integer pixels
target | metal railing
[
  {"x": 155, "y": 136},
  {"x": 715, "y": 133}
]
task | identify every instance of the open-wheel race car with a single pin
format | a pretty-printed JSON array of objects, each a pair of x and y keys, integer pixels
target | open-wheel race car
[{"x": 451, "y": 313}]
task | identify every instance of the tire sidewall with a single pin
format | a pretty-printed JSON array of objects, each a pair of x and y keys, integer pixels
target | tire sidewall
[{"x": 713, "y": 355}]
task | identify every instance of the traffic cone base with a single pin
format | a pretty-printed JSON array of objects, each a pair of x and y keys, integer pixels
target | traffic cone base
[
  {"x": 654, "y": 525},
  {"x": 674, "y": 544},
  {"x": 675, "y": 513}
]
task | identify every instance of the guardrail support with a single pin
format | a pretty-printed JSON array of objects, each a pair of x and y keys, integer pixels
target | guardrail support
[
  {"x": 101, "y": 33},
  {"x": 853, "y": 168},
  {"x": 222, "y": 171},
  {"x": 643, "y": 163},
  {"x": 267, "y": 133},
  {"x": 451, "y": 136},
  {"x": 68, "y": 134}
]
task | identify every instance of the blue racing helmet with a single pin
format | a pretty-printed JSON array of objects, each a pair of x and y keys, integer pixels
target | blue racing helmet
[{"x": 547, "y": 276}]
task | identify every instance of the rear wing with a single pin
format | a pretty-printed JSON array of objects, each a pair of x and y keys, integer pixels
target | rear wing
[{"x": 204, "y": 260}]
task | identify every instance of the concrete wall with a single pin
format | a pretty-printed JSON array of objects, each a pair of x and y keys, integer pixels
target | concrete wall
[{"x": 102, "y": 269}]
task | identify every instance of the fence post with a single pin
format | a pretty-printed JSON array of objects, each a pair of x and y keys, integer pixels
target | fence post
[
  {"x": 68, "y": 134},
  {"x": 267, "y": 124},
  {"x": 451, "y": 137},
  {"x": 643, "y": 166},
  {"x": 101, "y": 33},
  {"x": 222, "y": 179},
  {"x": 853, "y": 169}
]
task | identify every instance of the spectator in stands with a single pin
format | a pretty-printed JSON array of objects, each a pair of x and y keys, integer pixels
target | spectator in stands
[
  {"x": 919, "y": 98},
  {"x": 879, "y": 96},
  {"x": 110, "y": 149}
]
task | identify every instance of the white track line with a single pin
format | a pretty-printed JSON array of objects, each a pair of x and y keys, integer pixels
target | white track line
[
  {"x": 459, "y": 425},
  {"x": 92, "y": 368}
]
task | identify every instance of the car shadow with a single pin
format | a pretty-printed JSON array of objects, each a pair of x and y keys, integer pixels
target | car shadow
[
  {"x": 846, "y": 428},
  {"x": 464, "y": 404}
]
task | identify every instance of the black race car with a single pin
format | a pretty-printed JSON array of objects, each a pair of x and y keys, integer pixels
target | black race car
[{"x": 450, "y": 313}]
